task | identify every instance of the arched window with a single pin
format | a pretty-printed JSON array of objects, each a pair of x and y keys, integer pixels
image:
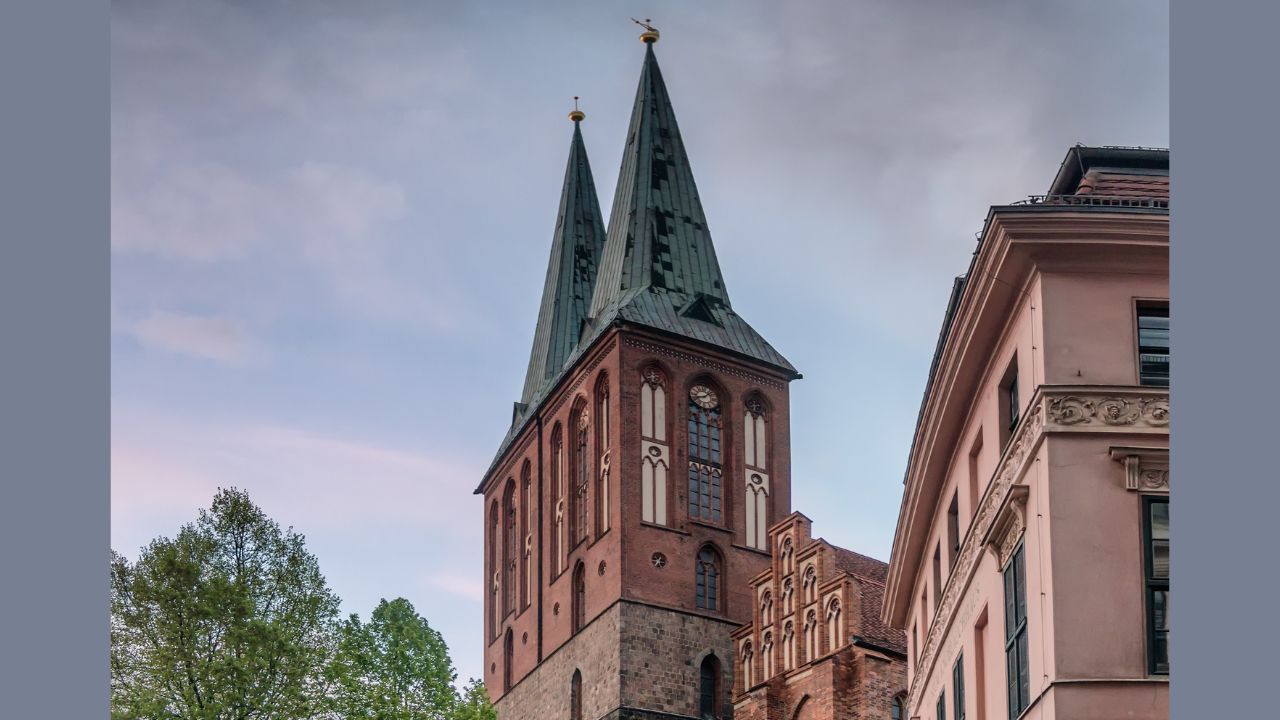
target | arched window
[
  {"x": 575, "y": 696},
  {"x": 811, "y": 636},
  {"x": 654, "y": 453},
  {"x": 579, "y": 597},
  {"x": 494, "y": 574},
  {"x": 602, "y": 452},
  {"x": 705, "y": 465},
  {"x": 560, "y": 538},
  {"x": 755, "y": 455},
  {"x": 766, "y": 653},
  {"x": 580, "y": 421},
  {"x": 508, "y": 653},
  {"x": 526, "y": 531},
  {"x": 788, "y": 598},
  {"x": 766, "y": 609},
  {"x": 709, "y": 688},
  {"x": 833, "y": 625},
  {"x": 898, "y": 711},
  {"x": 789, "y": 645},
  {"x": 810, "y": 584},
  {"x": 748, "y": 666},
  {"x": 786, "y": 554},
  {"x": 708, "y": 579},
  {"x": 509, "y": 548}
]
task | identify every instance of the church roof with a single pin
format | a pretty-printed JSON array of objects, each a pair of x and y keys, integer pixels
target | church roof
[
  {"x": 571, "y": 272},
  {"x": 659, "y": 267}
]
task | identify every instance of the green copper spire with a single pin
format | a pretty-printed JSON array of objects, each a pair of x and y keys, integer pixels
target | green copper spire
[
  {"x": 571, "y": 271},
  {"x": 659, "y": 266}
]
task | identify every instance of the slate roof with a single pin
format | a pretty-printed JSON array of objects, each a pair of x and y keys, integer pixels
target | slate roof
[{"x": 571, "y": 272}]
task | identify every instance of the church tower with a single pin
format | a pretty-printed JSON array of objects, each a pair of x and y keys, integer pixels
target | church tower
[{"x": 628, "y": 505}]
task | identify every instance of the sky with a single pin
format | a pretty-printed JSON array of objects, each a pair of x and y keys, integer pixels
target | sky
[{"x": 331, "y": 221}]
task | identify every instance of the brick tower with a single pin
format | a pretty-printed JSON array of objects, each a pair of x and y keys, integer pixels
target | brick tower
[{"x": 628, "y": 505}]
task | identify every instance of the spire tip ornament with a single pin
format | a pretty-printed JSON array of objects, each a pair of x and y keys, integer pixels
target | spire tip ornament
[
  {"x": 576, "y": 115},
  {"x": 650, "y": 34}
]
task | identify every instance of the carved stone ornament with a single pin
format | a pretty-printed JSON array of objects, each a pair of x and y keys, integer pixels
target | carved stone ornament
[
  {"x": 1146, "y": 469},
  {"x": 756, "y": 479},
  {"x": 1009, "y": 523},
  {"x": 755, "y": 407},
  {"x": 652, "y": 376},
  {"x": 1073, "y": 410},
  {"x": 659, "y": 560},
  {"x": 583, "y": 420}
]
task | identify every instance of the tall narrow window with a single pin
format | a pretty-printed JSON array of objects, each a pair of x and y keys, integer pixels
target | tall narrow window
[
  {"x": 509, "y": 545},
  {"x": 766, "y": 609},
  {"x": 1018, "y": 675},
  {"x": 705, "y": 468},
  {"x": 579, "y": 597},
  {"x": 575, "y": 696},
  {"x": 508, "y": 654},
  {"x": 748, "y": 666},
  {"x": 811, "y": 635},
  {"x": 558, "y": 488},
  {"x": 527, "y": 522},
  {"x": 937, "y": 575},
  {"x": 787, "y": 555},
  {"x": 766, "y": 652},
  {"x": 957, "y": 688},
  {"x": 602, "y": 453},
  {"x": 494, "y": 573},
  {"x": 834, "y": 639},
  {"x": 581, "y": 472},
  {"x": 941, "y": 713},
  {"x": 709, "y": 688},
  {"x": 1153, "y": 343},
  {"x": 708, "y": 579},
  {"x": 980, "y": 665},
  {"x": 1010, "y": 409},
  {"x": 755, "y": 446},
  {"x": 1156, "y": 533},
  {"x": 809, "y": 584},
  {"x": 915, "y": 644},
  {"x": 975, "y": 482},
  {"x": 788, "y": 645},
  {"x": 654, "y": 452},
  {"x": 788, "y": 598},
  {"x": 953, "y": 532}
]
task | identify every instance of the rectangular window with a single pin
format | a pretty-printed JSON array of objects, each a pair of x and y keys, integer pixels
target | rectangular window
[
  {"x": 1011, "y": 396},
  {"x": 957, "y": 688},
  {"x": 1155, "y": 531},
  {"x": 1015, "y": 632},
  {"x": 953, "y": 532},
  {"x": 1010, "y": 410},
  {"x": 942, "y": 706},
  {"x": 937, "y": 576},
  {"x": 1153, "y": 344}
]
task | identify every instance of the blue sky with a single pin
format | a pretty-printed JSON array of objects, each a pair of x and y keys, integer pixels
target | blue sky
[{"x": 330, "y": 223}]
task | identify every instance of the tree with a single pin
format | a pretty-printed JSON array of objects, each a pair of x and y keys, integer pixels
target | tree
[
  {"x": 396, "y": 667},
  {"x": 474, "y": 704},
  {"x": 231, "y": 619}
]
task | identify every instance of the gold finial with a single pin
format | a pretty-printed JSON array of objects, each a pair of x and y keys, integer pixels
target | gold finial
[
  {"x": 650, "y": 34},
  {"x": 577, "y": 115}
]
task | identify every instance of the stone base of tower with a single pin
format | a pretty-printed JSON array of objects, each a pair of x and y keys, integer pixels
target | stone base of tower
[{"x": 637, "y": 661}]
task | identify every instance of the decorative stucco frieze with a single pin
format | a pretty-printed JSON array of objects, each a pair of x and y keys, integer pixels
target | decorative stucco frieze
[
  {"x": 1053, "y": 409},
  {"x": 704, "y": 362}
]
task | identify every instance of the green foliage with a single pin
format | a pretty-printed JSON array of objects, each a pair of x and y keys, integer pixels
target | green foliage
[
  {"x": 395, "y": 667},
  {"x": 474, "y": 704},
  {"x": 230, "y": 619}
]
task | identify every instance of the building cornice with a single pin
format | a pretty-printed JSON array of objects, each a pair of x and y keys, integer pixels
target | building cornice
[
  {"x": 1013, "y": 247},
  {"x": 1054, "y": 409}
]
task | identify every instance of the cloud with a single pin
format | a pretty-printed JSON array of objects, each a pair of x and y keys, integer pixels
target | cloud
[{"x": 209, "y": 337}]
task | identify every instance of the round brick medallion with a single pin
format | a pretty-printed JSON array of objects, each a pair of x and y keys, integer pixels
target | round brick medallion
[{"x": 659, "y": 560}]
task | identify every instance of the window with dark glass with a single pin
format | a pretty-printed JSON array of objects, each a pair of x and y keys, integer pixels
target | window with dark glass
[
  {"x": 898, "y": 711},
  {"x": 509, "y": 548},
  {"x": 581, "y": 475},
  {"x": 705, "y": 468},
  {"x": 957, "y": 688},
  {"x": 508, "y": 653},
  {"x": 1018, "y": 674},
  {"x": 953, "y": 532},
  {"x": 708, "y": 680},
  {"x": 1156, "y": 534},
  {"x": 941, "y": 712},
  {"x": 579, "y": 597},
  {"x": 1011, "y": 396},
  {"x": 575, "y": 696},
  {"x": 1153, "y": 344},
  {"x": 1010, "y": 409},
  {"x": 708, "y": 579}
]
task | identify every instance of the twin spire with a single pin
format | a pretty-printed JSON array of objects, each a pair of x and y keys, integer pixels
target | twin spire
[{"x": 655, "y": 266}]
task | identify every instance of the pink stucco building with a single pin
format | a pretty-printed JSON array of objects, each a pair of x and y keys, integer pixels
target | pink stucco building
[{"x": 1030, "y": 561}]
